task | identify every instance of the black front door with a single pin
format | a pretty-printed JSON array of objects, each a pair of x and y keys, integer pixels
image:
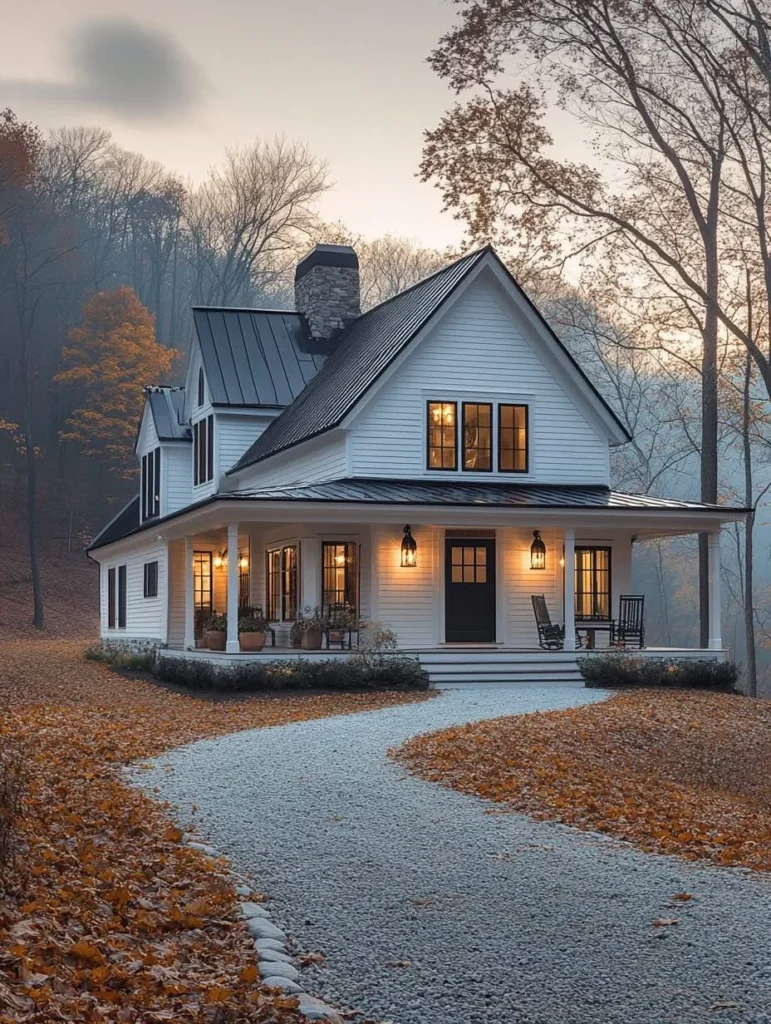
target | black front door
[{"x": 469, "y": 591}]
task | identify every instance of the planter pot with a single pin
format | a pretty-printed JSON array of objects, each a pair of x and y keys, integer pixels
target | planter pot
[
  {"x": 252, "y": 641},
  {"x": 311, "y": 640},
  {"x": 215, "y": 639}
]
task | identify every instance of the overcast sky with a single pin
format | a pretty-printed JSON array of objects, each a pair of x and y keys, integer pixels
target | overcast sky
[{"x": 181, "y": 80}]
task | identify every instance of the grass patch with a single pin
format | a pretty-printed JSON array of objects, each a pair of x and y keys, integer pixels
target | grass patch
[{"x": 677, "y": 772}]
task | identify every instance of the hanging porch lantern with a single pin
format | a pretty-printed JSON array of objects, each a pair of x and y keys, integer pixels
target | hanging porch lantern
[
  {"x": 537, "y": 552},
  {"x": 409, "y": 549}
]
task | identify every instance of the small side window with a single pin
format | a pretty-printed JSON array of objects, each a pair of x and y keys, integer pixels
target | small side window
[
  {"x": 201, "y": 388},
  {"x": 151, "y": 579}
]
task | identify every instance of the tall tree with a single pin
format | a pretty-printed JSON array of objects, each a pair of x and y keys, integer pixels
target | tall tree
[
  {"x": 112, "y": 357},
  {"x": 643, "y": 80}
]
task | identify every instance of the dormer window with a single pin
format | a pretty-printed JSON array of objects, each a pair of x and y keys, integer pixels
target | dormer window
[
  {"x": 478, "y": 436},
  {"x": 482, "y": 446},
  {"x": 201, "y": 388},
  {"x": 151, "y": 484},
  {"x": 512, "y": 439}
]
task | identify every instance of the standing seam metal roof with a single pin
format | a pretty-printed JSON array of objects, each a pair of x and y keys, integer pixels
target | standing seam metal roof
[
  {"x": 166, "y": 406},
  {"x": 255, "y": 357}
]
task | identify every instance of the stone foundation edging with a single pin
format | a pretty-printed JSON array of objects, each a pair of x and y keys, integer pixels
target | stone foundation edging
[
  {"x": 131, "y": 644},
  {"x": 277, "y": 966}
]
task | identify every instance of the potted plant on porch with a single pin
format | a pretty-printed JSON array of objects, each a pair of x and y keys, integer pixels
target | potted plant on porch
[
  {"x": 342, "y": 622},
  {"x": 251, "y": 630},
  {"x": 217, "y": 632},
  {"x": 311, "y": 628}
]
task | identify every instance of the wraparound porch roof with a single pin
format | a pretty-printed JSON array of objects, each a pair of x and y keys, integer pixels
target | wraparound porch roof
[{"x": 344, "y": 501}]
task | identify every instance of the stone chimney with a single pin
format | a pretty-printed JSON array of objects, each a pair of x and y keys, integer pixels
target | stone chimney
[{"x": 326, "y": 289}]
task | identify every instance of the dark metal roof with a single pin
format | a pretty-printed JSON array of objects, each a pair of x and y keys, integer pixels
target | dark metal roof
[
  {"x": 166, "y": 406},
  {"x": 126, "y": 522},
  {"x": 364, "y": 349},
  {"x": 255, "y": 357},
  {"x": 418, "y": 492}
]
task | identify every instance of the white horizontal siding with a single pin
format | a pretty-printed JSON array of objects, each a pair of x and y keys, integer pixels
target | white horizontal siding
[
  {"x": 176, "y": 597},
  {"x": 234, "y": 435},
  {"x": 308, "y": 463},
  {"x": 145, "y": 616},
  {"x": 406, "y": 600},
  {"x": 520, "y": 582},
  {"x": 478, "y": 352},
  {"x": 148, "y": 435},
  {"x": 176, "y": 477}
]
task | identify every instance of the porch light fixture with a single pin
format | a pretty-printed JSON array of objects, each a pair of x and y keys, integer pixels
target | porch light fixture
[
  {"x": 537, "y": 552},
  {"x": 243, "y": 562},
  {"x": 220, "y": 559},
  {"x": 409, "y": 549}
]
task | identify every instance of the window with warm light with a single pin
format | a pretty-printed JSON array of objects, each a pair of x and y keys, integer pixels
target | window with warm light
[
  {"x": 442, "y": 435},
  {"x": 592, "y": 583},
  {"x": 512, "y": 439},
  {"x": 243, "y": 580},
  {"x": 340, "y": 582},
  {"x": 478, "y": 436},
  {"x": 281, "y": 583}
]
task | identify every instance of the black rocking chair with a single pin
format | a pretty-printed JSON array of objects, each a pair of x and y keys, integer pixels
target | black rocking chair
[
  {"x": 341, "y": 628},
  {"x": 629, "y": 629},
  {"x": 551, "y": 637}
]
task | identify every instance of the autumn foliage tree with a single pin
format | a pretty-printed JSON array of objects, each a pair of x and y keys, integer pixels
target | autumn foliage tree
[{"x": 113, "y": 355}]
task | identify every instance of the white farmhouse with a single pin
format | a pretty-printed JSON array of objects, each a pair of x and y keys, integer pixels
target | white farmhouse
[{"x": 435, "y": 463}]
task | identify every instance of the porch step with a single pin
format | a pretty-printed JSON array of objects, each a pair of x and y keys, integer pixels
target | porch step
[{"x": 466, "y": 666}]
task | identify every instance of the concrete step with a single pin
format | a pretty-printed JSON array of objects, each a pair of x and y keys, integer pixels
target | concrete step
[{"x": 500, "y": 667}]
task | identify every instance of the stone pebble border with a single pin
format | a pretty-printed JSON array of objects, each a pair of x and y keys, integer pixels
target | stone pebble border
[{"x": 272, "y": 945}]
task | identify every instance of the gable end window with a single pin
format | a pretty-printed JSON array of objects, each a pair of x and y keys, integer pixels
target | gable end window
[
  {"x": 442, "y": 435},
  {"x": 151, "y": 484},
  {"x": 151, "y": 579},
  {"x": 478, "y": 437},
  {"x": 513, "y": 441},
  {"x": 201, "y": 388},
  {"x": 203, "y": 451}
]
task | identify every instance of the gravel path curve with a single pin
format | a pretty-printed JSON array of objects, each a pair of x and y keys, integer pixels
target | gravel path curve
[{"x": 432, "y": 911}]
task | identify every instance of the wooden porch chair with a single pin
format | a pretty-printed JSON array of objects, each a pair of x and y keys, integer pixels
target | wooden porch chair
[
  {"x": 551, "y": 637},
  {"x": 629, "y": 629},
  {"x": 339, "y": 631}
]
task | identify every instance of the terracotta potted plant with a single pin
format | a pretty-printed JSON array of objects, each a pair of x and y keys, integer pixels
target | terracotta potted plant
[
  {"x": 311, "y": 629},
  {"x": 217, "y": 632},
  {"x": 251, "y": 631}
]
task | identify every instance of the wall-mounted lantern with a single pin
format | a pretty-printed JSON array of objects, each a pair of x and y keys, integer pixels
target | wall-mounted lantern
[
  {"x": 537, "y": 552},
  {"x": 409, "y": 549},
  {"x": 220, "y": 559},
  {"x": 243, "y": 562}
]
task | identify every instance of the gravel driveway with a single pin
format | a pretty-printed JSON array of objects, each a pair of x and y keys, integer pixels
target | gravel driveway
[{"x": 432, "y": 911}]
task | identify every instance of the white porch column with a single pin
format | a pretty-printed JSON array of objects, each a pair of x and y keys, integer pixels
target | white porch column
[
  {"x": 189, "y": 597},
  {"x": 232, "y": 646},
  {"x": 715, "y": 638},
  {"x": 570, "y": 575}
]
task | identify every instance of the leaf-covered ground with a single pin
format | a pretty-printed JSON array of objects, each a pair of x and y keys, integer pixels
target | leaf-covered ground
[
  {"x": 677, "y": 772},
  {"x": 108, "y": 917}
]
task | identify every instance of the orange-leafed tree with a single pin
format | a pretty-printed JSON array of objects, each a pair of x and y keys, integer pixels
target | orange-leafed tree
[{"x": 113, "y": 354}]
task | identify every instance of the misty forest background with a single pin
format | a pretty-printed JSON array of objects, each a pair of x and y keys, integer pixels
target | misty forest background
[{"x": 650, "y": 259}]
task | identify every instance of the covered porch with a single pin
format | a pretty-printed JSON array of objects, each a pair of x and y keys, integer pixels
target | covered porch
[{"x": 463, "y": 599}]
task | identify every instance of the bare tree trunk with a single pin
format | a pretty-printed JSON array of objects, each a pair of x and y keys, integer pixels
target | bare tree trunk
[
  {"x": 38, "y": 618},
  {"x": 749, "y": 526},
  {"x": 709, "y": 406},
  {"x": 663, "y": 594}
]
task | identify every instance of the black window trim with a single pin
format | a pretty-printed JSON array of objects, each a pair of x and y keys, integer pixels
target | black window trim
[
  {"x": 111, "y": 595},
  {"x": 201, "y": 396},
  {"x": 122, "y": 596},
  {"x": 151, "y": 578},
  {"x": 203, "y": 450},
  {"x": 594, "y": 547},
  {"x": 491, "y": 406},
  {"x": 429, "y": 467},
  {"x": 514, "y": 405}
]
